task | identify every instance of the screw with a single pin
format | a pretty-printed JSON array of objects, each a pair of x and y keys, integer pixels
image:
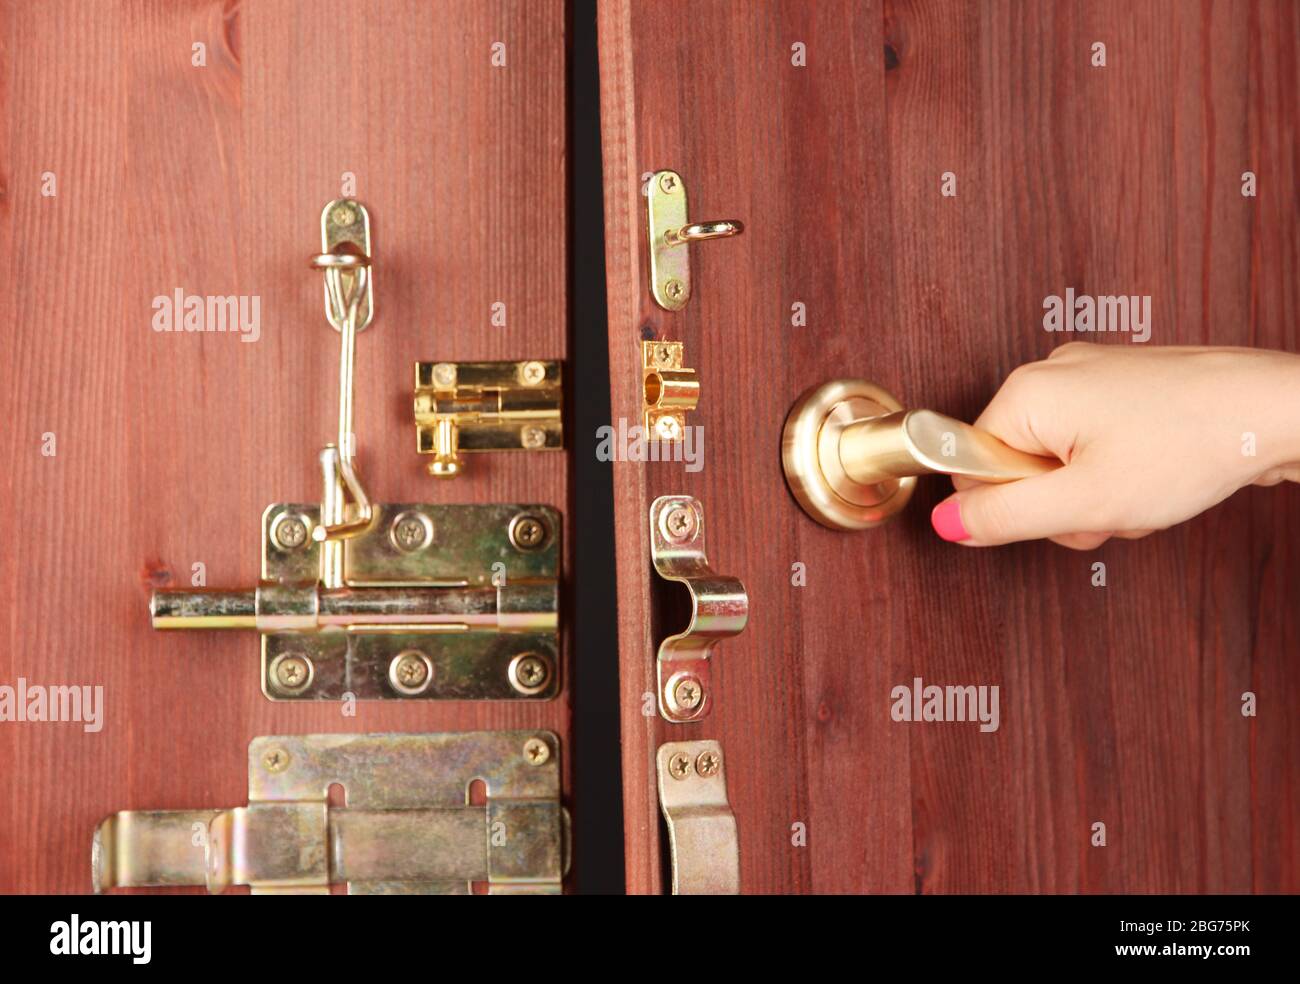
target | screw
[
  {"x": 409, "y": 672},
  {"x": 667, "y": 428},
  {"x": 531, "y": 670},
  {"x": 679, "y": 766},
  {"x": 674, "y": 288},
  {"x": 679, "y": 522},
  {"x": 409, "y": 531},
  {"x": 536, "y": 751},
  {"x": 532, "y": 437},
  {"x": 290, "y": 532},
  {"x": 344, "y": 215},
  {"x": 527, "y": 532},
  {"x": 532, "y": 373},
  {"x": 444, "y": 374},
  {"x": 664, "y": 353},
  {"x": 688, "y": 694},
  {"x": 292, "y": 671},
  {"x": 528, "y": 673},
  {"x": 276, "y": 760},
  {"x": 668, "y": 183},
  {"x": 707, "y": 764}
]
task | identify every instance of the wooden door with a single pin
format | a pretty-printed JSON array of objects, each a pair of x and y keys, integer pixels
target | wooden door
[
  {"x": 1119, "y": 705},
  {"x": 131, "y": 170}
]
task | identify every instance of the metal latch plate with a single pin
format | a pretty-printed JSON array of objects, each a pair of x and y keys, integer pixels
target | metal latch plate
[
  {"x": 499, "y": 594},
  {"x": 407, "y": 827}
]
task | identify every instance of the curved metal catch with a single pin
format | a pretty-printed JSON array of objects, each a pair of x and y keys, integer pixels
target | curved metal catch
[{"x": 719, "y": 606}]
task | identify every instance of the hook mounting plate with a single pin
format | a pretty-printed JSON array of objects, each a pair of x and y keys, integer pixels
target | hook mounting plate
[
  {"x": 344, "y": 231},
  {"x": 670, "y": 265}
]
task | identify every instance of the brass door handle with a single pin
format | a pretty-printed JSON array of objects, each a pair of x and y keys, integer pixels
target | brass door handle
[{"x": 852, "y": 453}]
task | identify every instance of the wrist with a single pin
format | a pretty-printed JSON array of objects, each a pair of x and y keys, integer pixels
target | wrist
[{"x": 1276, "y": 403}]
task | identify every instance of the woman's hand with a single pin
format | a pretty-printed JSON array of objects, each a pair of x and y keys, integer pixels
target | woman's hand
[{"x": 1149, "y": 436}]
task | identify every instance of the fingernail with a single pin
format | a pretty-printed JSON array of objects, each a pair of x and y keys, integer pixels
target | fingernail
[{"x": 946, "y": 520}]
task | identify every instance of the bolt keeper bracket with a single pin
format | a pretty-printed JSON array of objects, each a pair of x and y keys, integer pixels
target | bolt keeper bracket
[
  {"x": 407, "y": 827},
  {"x": 719, "y": 607}
]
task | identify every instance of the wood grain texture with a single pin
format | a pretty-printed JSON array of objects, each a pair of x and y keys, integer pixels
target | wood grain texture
[
  {"x": 169, "y": 447},
  {"x": 1119, "y": 704}
]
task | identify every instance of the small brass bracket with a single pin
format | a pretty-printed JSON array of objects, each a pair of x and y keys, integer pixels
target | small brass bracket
[
  {"x": 407, "y": 826},
  {"x": 702, "y": 839},
  {"x": 486, "y": 406},
  {"x": 344, "y": 233},
  {"x": 670, "y": 391},
  {"x": 719, "y": 607},
  {"x": 669, "y": 230},
  {"x": 435, "y": 602}
]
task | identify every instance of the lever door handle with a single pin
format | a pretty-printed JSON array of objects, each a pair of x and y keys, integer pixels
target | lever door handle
[
  {"x": 852, "y": 453},
  {"x": 922, "y": 442}
]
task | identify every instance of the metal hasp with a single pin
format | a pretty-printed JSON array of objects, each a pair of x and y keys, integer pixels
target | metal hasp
[
  {"x": 851, "y": 453},
  {"x": 668, "y": 233},
  {"x": 486, "y": 406},
  {"x": 702, "y": 840},
  {"x": 434, "y": 602},
  {"x": 719, "y": 607},
  {"x": 669, "y": 391},
  {"x": 408, "y": 826}
]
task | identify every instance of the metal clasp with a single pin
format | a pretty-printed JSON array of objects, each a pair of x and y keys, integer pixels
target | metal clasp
[{"x": 407, "y": 828}]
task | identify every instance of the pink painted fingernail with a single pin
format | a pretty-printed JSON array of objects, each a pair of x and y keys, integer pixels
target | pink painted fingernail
[{"x": 946, "y": 520}]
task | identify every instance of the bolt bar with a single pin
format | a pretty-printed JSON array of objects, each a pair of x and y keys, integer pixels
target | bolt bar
[{"x": 519, "y": 607}]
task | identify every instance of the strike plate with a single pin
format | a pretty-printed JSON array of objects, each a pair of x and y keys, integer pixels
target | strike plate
[
  {"x": 702, "y": 839},
  {"x": 407, "y": 828}
]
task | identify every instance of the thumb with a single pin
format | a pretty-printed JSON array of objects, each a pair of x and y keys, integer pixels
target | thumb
[{"x": 1059, "y": 502}]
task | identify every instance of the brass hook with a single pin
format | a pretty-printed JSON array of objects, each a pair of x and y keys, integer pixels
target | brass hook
[
  {"x": 345, "y": 508},
  {"x": 668, "y": 227},
  {"x": 698, "y": 232}
]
